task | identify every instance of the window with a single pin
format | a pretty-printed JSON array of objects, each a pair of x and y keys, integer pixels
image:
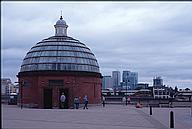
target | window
[
  {"x": 58, "y": 66},
  {"x": 53, "y": 66},
  {"x": 26, "y": 83},
  {"x": 36, "y": 53},
  {"x": 49, "y": 53},
  {"x": 50, "y": 47},
  {"x": 156, "y": 92},
  {"x": 56, "y": 82}
]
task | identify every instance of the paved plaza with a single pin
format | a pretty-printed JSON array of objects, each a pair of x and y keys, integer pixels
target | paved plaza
[{"x": 96, "y": 117}]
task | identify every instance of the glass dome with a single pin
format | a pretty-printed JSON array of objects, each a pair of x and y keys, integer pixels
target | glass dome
[{"x": 61, "y": 53}]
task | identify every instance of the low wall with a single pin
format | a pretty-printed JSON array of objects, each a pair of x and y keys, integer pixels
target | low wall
[
  {"x": 146, "y": 102},
  {"x": 182, "y": 104}
]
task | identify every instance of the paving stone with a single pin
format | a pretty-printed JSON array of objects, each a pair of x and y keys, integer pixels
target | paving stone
[{"x": 96, "y": 117}]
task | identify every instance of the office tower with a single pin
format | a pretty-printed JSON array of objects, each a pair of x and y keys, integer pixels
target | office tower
[
  {"x": 107, "y": 82},
  {"x": 157, "y": 81},
  {"x": 130, "y": 79},
  {"x": 116, "y": 76}
]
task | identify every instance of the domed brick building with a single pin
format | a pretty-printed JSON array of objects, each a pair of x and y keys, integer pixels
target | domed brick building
[{"x": 59, "y": 64}]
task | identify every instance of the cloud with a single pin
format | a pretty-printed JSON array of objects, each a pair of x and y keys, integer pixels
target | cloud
[{"x": 151, "y": 38}]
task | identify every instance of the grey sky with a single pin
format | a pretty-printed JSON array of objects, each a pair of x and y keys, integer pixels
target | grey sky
[{"x": 151, "y": 38}]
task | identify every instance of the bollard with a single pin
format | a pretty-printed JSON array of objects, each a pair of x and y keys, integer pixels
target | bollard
[
  {"x": 191, "y": 108},
  {"x": 103, "y": 103},
  {"x": 171, "y": 119},
  {"x": 150, "y": 110}
]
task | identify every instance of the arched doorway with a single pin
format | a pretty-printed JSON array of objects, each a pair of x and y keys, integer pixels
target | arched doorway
[{"x": 47, "y": 98}]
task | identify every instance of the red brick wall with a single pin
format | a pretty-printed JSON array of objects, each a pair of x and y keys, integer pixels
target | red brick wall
[{"x": 76, "y": 85}]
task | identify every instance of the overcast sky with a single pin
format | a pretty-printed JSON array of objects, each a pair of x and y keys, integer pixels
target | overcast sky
[{"x": 151, "y": 38}]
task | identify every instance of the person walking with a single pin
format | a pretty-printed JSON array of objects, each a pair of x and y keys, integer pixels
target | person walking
[
  {"x": 85, "y": 99},
  {"x": 123, "y": 100},
  {"x": 76, "y": 103},
  {"x": 103, "y": 101},
  {"x": 129, "y": 100},
  {"x": 62, "y": 100}
]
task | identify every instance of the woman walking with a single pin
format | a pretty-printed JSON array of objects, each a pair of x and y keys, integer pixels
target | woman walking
[{"x": 85, "y": 99}]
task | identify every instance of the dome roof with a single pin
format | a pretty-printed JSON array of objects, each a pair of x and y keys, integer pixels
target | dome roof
[
  {"x": 61, "y": 53},
  {"x": 61, "y": 22}
]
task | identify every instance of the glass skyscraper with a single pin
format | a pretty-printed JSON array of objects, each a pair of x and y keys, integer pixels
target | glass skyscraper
[
  {"x": 107, "y": 82},
  {"x": 157, "y": 81},
  {"x": 130, "y": 79},
  {"x": 116, "y": 78}
]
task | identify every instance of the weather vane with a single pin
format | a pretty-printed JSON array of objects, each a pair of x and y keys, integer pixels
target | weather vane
[{"x": 61, "y": 15}]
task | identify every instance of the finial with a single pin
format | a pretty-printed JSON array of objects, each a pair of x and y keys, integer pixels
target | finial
[
  {"x": 61, "y": 16},
  {"x": 61, "y": 27}
]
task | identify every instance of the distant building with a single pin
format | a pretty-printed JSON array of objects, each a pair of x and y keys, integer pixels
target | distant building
[
  {"x": 144, "y": 93},
  {"x": 122, "y": 85},
  {"x": 157, "y": 81},
  {"x": 116, "y": 76},
  {"x": 183, "y": 95},
  {"x": 107, "y": 82},
  {"x": 130, "y": 79},
  {"x": 142, "y": 85},
  {"x": 162, "y": 92},
  {"x": 6, "y": 86},
  {"x": 15, "y": 89}
]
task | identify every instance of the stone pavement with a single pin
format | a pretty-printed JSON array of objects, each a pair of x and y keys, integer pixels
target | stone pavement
[
  {"x": 110, "y": 117},
  {"x": 182, "y": 116}
]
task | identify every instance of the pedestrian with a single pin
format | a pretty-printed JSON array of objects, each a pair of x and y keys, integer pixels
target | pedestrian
[
  {"x": 129, "y": 100},
  {"x": 123, "y": 100},
  {"x": 62, "y": 100},
  {"x": 76, "y": 103},
  {"x": 103, "y": 101},
  {"x": 85, "y": 99}
]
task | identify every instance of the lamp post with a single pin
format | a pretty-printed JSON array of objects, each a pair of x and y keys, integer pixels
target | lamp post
[
  {"x": 191, "y": 108},
  {"x": 21, "y": 84},
  {"x": 126, "y": 95},
  {"x": 128, "y": 82}
]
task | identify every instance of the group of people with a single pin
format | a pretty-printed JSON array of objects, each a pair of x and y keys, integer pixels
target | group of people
[
  {"x": 126, "y": 100},
  {"x": 76, "y": 101}
]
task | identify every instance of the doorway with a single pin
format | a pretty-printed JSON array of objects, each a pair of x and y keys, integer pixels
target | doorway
[
  {"x": 66, "y": 104},
  {"x": 47, "y": 97}
]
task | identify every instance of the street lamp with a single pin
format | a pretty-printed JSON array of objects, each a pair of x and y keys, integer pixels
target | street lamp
[
  {"x": 126, "y": 95},
  {"x": 21, "y": 84},
  {"x": 128, "y": 82}
]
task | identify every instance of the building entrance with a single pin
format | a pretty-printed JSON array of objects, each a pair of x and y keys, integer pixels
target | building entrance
[
  {"x": 65, "y": 91},
  {"x": 47, "y": 96}
]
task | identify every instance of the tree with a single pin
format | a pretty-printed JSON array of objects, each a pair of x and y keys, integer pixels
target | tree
[
  {"x": 187, "y": 89},
  {"x": 176, "y": 89}
]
